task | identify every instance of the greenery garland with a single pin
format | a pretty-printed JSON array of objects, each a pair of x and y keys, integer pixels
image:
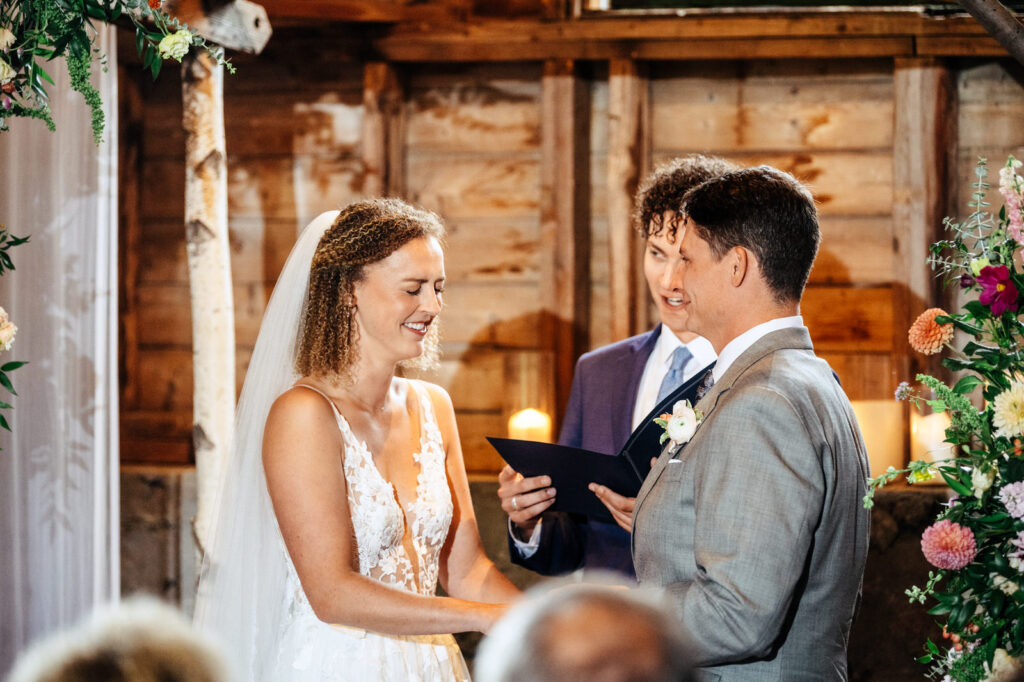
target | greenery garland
[{"x": 33, "y": 32}]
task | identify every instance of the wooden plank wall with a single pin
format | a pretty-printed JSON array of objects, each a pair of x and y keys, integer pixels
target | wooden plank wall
[{"x": 468, "y": 141}]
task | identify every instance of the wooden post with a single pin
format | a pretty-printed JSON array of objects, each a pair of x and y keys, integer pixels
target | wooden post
[
  {"x": 924, "y": 135},
  {"x": 129, "y": 171},
  {"x": 627, "y": 151},
  {"x": 209, "y": 268},
  {"x": 565, "y": 233},
  {"x": 383, "y": 131}
]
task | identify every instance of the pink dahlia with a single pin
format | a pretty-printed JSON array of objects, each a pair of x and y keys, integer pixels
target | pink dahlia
[{"x": 948, "y": 545}]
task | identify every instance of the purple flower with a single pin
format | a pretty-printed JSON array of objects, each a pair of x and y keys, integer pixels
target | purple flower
[
  {"x": 903, "y": 391},
  {"x": 997, "y": 291},
  {"x": 966, "y": 281},
  {"x": 1012, "y": 496}
]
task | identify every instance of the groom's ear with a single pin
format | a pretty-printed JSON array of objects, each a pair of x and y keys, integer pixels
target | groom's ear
[{"x": 740, "y": 263}]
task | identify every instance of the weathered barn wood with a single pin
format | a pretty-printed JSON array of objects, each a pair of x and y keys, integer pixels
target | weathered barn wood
[
  {"x": 473, "y": 146},
  {"x": 564, "y": 230},
  {"x": 382, "y": 143},
  {"x": 627, "y": 146}
]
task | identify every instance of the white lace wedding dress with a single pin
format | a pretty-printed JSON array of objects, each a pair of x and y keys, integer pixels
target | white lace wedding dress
[{"x": 311, "y": 650}]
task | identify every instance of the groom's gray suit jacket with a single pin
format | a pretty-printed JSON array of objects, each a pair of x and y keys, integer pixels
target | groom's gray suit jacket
[{"x": 756, "y": 527}]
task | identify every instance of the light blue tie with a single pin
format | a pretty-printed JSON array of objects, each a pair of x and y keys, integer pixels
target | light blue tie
[{"x": 674, "y": 378}]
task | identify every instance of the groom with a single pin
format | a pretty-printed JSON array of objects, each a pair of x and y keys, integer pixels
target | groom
[{"x": 755, "y": 527}]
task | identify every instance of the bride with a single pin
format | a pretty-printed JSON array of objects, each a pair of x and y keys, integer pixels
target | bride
[{"x": 346, "y": 500}]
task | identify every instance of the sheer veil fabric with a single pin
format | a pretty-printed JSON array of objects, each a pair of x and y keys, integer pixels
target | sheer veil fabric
[{"x": 244, "y": 569}]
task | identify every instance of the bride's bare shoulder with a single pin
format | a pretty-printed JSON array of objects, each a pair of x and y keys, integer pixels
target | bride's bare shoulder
[
  {"x": 299, "y": 414},
  {"x": 439, "y": 397}
]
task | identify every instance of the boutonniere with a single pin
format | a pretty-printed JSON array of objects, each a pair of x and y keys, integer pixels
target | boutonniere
[{"x": 681, "y": 424}]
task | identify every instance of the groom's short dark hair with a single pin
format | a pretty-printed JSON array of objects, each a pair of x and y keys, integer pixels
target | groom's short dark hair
[{"x": 766, "y": 211}]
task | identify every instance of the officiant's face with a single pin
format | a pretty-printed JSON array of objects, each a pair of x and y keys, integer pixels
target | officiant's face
[
  {"x": 662, "y": 269},
  {"x": 398, "y": 299}
]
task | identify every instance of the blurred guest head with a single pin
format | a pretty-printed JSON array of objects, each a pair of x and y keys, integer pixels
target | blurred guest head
[
  {"x": 585, "y": 633},
  {"x": 138, "y": 640}
]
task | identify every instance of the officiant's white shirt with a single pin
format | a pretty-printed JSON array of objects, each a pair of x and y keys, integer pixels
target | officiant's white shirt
[{"x": 657, "y": 366}]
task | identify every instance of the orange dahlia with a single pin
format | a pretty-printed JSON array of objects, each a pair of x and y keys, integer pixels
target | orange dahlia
[{"x": 926, "y": 336}]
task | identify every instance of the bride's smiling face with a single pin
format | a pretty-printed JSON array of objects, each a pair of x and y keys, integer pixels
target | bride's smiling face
[{"x": 398, "y": 299}]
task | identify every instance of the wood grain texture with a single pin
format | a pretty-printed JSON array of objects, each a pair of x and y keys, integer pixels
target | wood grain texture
[{"x": 627, "y": 146}]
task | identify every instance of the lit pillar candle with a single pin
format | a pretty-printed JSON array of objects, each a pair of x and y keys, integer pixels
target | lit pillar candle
[
  {"x": 530, "y": 424},
  {"x": 927, "y": 436},
  {"x": 881, "y": 424}
]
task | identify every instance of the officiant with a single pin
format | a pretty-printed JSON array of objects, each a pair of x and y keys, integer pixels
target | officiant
[{"x": 614, "y": 389}]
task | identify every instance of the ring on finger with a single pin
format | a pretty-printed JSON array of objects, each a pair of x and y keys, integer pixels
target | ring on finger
[{"x": 515, "y": 503}]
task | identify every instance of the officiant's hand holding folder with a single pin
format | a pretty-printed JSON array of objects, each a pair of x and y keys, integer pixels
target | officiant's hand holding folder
[{"x": 572, "y": 469}]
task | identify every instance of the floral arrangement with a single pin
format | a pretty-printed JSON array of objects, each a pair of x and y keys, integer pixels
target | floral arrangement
[
  {"x": 7, "y": 328},
  {"x": 977, "y": 543},
  {"x": 680, "y": 425},
  {"x": 37, "y": 31}
]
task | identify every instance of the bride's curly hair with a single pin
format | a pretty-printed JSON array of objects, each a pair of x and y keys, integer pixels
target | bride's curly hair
[{"x": 363, "y": 233}]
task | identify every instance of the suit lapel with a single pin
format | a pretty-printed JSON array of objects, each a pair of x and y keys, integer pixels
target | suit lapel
[
  {"x": 620, "y": 419},
  {"x": 769, "y": 343}
]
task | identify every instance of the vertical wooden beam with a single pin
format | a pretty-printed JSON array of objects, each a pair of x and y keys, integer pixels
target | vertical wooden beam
[
  {"x": 129, "y": 171},
  {"x": 565, "y": 232},
  {"x": 924, "y": 154},
  {"x": 209, "y": 273},
  {"x": 383, "y": 131},
  {"x": 627, "y": 152}
]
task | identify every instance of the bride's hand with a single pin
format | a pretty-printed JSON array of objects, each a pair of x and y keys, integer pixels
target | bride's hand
[{"x": 523, "y": 499}]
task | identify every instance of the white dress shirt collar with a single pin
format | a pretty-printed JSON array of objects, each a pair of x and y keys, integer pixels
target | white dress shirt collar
[
  {"x": 735, "y": 348},
  {"x": 657, "y": 366},
  {"x": 701, "y": 349}
]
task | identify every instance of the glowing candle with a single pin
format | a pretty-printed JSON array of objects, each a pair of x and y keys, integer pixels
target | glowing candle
[
  {"x": 927, "y": 433},
  {"x": 530, "y": 424},
  {"x": 881, "y": 424}
]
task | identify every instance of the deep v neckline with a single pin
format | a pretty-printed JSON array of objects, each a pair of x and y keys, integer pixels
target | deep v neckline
[{"x": 409, "y": 515}]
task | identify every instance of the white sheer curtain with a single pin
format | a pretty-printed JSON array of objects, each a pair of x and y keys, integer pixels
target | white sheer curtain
[{"x": 59, "y": 469}]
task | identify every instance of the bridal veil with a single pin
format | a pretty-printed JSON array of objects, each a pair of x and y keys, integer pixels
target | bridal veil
[{"x": 244, "y": 569}]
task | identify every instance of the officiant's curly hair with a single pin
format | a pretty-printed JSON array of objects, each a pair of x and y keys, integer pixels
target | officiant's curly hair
[
  {"x": 664, "y": 188},
  {"x": 363, "y": 233}
]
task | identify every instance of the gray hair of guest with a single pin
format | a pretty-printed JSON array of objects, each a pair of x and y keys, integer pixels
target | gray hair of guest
[
  {"x": 585, "y": 632},
  {"x": 138, "y": 640}
]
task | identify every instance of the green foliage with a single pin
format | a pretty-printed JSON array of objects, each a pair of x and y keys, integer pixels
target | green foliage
[
  {"x": 45, "y": 30},
  {"x": 7, "y": 241},
  {"x": 981, "y": 603}
]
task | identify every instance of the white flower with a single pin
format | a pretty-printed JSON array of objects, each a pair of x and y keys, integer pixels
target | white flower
[
  {"x": 1004, "y": 667},
  {"x": 681, "y": 424},
  {"x": 175, "y": 45},
  {"x": 1008, "y": 411},
  {"x": 981, "y": 481},
  {"x": 1003, "y": 583},
  {"x": 7, "y": 72},
  {"x": 6, "y": 38},
  {"x": 7, "y": 331}
]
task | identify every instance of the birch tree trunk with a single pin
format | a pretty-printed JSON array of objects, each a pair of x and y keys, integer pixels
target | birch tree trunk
[{"x": 209, "y": 269}]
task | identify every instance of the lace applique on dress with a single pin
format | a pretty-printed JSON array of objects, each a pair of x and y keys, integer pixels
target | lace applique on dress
[
  {"x": 378, "y": 518},
  {"x": 313, "y": 651}
]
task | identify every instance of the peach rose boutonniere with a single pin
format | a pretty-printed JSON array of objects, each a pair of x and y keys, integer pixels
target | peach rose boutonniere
[{"x": 680, "y": 425}]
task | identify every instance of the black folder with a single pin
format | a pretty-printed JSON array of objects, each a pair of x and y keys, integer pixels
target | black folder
[{"x": 572, "y": 470}]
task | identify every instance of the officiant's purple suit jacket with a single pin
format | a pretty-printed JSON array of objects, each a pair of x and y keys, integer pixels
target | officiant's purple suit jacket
[
  {"x": 599, "y": 418},
  {"x": 756, "y": 527}
]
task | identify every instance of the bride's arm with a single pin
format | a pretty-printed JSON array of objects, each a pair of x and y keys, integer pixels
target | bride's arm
[
  {"x": 302, "y": 457},
  {"x": 465, "y": 570}
]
